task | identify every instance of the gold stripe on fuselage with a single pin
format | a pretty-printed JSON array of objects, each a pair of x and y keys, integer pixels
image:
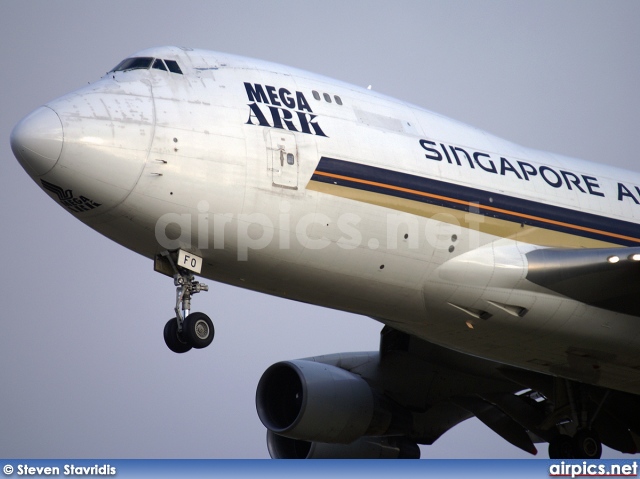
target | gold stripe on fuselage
[{"x": 479, "y": 222}]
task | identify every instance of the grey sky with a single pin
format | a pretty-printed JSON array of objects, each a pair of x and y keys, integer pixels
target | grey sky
[{"x": 85, "y": 371}]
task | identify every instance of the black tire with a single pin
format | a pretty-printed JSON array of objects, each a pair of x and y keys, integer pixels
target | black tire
[
  {"x": 561, "y": 447},
  {"x": 173, "y": 339},
  {"x": 587, "y": 445},
  {"x": 198, "y": 330}
]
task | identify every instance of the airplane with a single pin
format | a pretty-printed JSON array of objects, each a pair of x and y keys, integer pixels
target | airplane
[{"x": 505, "y": 278}]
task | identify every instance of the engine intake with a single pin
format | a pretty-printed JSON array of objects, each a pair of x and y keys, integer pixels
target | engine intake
[{"x": 317, "y": 402}]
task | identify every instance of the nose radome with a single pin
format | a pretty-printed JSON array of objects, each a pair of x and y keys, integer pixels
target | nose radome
[{"x": 37, "y": 140}]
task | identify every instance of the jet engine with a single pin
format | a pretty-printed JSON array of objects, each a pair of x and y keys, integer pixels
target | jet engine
[
  {"x": 314, "y": 410},
  {"x": 281, "y": 447}
]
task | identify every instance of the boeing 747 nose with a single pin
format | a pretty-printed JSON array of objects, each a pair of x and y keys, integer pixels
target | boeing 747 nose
[
  {"x": 37, "y": 140},
  {"x": 87, "y": 149}
]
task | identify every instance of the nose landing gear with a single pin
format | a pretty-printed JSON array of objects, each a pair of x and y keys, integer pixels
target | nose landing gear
[{"x": 187, "y": 330}]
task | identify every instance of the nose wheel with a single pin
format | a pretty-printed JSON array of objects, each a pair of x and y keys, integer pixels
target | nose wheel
[
  {"x": 197, "y": 332},
  {"x": 187, "y": 330},
  {"x": 174, "y": 339}
]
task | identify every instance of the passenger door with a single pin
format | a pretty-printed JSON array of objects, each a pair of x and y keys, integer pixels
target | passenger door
[{"x": 284, "y": 159}]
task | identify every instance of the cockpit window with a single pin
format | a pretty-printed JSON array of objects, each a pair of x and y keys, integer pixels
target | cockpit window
[
  {"x": 173, "y": 66},
  {"x": 144, "y": 63},
  {"x": 135, "y": 63},
  {"x": 159, "y": 65}
]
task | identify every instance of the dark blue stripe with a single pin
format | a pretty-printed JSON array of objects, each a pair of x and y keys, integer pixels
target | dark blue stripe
[{"x": 474, "y": 195}]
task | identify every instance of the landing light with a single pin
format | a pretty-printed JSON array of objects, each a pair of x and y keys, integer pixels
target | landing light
[
  {"x": 635, "y": 257},
  {"x": 613, "y": 259}
]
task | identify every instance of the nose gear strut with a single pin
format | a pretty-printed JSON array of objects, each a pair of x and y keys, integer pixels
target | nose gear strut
[{"x": 187, "y": 330}]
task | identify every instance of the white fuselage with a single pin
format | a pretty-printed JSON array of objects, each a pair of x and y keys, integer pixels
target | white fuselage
[{"x": 306, "y": 188}]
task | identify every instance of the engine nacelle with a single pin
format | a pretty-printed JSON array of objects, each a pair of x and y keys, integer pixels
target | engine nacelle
[
  {"x": 281, "y": 447},
  {"x": 316, "y": 402}
]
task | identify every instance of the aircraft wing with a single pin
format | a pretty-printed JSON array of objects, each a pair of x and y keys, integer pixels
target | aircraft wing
[
  {"x": 383, "y": 404},
  {"x": 607, "y": 278}
]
